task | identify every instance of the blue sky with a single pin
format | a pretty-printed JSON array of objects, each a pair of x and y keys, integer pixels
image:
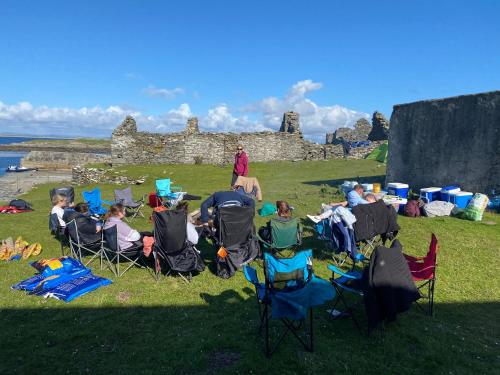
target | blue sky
[{"x": 79, "y": 67}]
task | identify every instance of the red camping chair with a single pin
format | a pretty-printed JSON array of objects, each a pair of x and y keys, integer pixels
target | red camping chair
[{"x": 423, "y": 270}]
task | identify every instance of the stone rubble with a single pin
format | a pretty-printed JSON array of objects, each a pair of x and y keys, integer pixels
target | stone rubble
[{"x": 85, "y": 176}]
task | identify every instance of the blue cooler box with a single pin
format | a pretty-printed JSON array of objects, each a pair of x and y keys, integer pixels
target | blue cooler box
[
  {"x": 430, "y": 194},
  {"x": 461, "y": 199},
  {"x": 446, "y": 191},
  {"x": 397, "y": 188}
]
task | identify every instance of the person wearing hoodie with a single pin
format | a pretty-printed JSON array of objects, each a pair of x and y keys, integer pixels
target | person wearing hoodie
[{"x": 240, "y": 164}]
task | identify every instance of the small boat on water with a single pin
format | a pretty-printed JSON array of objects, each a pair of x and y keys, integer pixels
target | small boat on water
[{"x": 17, "y": 168}]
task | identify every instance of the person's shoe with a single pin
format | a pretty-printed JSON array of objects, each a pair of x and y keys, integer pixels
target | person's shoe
[{"x": 314, "y": 218}]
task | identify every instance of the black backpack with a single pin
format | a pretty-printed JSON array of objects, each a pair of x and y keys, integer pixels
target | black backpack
[{"x": 20, "y": 204}]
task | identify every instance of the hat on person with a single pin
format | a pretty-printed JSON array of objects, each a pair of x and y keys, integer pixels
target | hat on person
[{"x": 267, "y": 209}]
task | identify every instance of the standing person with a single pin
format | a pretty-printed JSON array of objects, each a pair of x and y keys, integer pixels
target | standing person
[
  {"x": 346, "y": 147},
  {"x": 240, "y": 164}
]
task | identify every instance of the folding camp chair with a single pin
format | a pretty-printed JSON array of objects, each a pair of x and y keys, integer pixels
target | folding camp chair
[
  {"x": 79, "y": 248},
  {"x": 235, "y": 239},
  {"x": 288, "y": 294},
  {"x": 57, "y": 231},
  {"x": 95, "y": 203},
  {"x": 339, "y": 239},
  {"x": 124, "y": 197},
  {"x": 423, "y": 271},
  {"x": 115, "y": 255},
  {"x": 284, "y": 235},
  {"x": 67, "y": 192},
  {"x": 349, "y": 282},
  {"x": 167, "y": 194},
  {"x": 171, "y": 245}
]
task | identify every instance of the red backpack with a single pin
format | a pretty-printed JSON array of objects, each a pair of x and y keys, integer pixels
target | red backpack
[{"x": 412, "y": 209}]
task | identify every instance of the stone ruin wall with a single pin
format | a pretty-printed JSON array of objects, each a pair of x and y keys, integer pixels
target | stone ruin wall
[
  {"x": 130, "y": 146},
  {"x": 451, "y": 141}
]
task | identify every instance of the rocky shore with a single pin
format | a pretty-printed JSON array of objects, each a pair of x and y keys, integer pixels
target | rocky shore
[
  {"x": 14, "y": 184},
  {"x": 61, "y": 145}
]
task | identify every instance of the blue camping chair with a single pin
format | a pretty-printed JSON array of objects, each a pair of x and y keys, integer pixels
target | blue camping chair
[
  {"x": 168, "y": 194},
  {"x": 95, "y": 203},
  {"x": 341, "y": 240},
  {"x": 288, "y": 294},
  {"x": 345, "y": 282}
]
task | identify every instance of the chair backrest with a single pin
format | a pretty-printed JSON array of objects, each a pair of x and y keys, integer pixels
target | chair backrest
[
  {"x": 234, "y": 225},
  {"x": 124, "y": 196},
  {"x": 67, "y": 192},
  {"x": 111, "y": 237},
  {"x": 163, "y": 187},
  {"x": 284, "y": 233},
  {"x": 170, "y": 230},
  {"x": 288, "y": 272},
  {"x": 54, "y": 224},
  {"x": 94, "y": 201},
  {"x": 431, "y": 257}
]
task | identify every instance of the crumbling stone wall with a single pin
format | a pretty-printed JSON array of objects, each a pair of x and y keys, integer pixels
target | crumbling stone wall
[
  {"x": 447, "y": 141},
  {"x": 129, "y": 146},
  {"x": 61, "y": 160}
]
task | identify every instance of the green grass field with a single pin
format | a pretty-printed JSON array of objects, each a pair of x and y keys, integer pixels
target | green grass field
[{"x": 139, "y": 326}]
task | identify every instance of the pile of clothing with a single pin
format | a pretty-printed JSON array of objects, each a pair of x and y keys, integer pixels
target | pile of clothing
[
  {"x": 62, "y": 278},
  {"x": 10, "y": 250}
]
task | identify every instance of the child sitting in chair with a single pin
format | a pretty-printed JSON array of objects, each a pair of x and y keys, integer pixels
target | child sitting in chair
[{"x": 284, "y": 212}]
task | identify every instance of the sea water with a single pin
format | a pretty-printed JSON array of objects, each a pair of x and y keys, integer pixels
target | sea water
[{"x": 11, "y": 157}]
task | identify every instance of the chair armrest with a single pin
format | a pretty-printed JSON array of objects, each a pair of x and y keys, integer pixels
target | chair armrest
[
  {"x": 335, "y": 270},
  {"x": 412, "y": 258},
  {"x": 263, "y": 241}
]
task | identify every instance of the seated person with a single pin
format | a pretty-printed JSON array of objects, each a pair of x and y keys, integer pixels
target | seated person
[
  {"x": 220, "y": 198},
  {"x": 192, "y": 233},
  {"x": 369, "y": 198},
  {"x": 355, "y": 196},
  {"x": 127, "y": 237},
  {"x": 284, "y": 213},
  {"x": 88, "y": 228},
  {"x": 58, "y": 203}
]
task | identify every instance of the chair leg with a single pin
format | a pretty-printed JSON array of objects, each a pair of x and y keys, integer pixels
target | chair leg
[{"x": 266, "y": 317}]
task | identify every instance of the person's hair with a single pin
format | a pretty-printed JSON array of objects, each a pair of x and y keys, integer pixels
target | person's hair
[
  {"x": 82, "y": 207},
  {"x": 358, "y": 187},
  {"x": 370, "y": 196},
  {"x": 183, "y": 206},
  {"x": 58, "y": 198},
  {"x": 114, "y": 210},
  {"x": 283, "y": 209},
  {"x": 239, "y": 146}
]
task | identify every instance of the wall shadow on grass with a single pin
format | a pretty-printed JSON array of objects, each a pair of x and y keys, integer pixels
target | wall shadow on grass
[
  {"x": 220, "y": 336},
  {"x": 336, "y": 182}
]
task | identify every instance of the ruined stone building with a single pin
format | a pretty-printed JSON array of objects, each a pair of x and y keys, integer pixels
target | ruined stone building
[
  {"x": 130, "y": 146},
  {"x": 451, "y": 141}
]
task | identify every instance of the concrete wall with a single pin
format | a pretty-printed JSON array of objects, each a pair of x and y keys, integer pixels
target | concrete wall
[{"x": 447, "y": 141}]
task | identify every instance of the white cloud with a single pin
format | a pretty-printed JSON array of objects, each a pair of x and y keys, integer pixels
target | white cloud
[
  {"x": 24, "y": 118},
  {"x": 266, "y": 114},
  {"x": 167, "y": 94}
]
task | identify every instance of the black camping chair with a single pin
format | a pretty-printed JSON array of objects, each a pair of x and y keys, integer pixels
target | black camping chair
[
  {"x": 375, "y": 223},
  {"x": 172, "y": 247},
  {"x": 79, "y": 247},
  {"x": 67, "y": 192},
  {"x": 235, "y": 239},
  {"x": 124, "y": 197},
  {"x": 115, "y": 255},
  {"x": 57, "y": 231}
]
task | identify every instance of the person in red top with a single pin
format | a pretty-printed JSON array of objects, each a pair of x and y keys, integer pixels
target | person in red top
[{"x": 240, "y": 164}]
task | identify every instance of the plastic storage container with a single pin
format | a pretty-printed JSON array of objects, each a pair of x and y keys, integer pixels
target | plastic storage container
[
  {"x": 446, "y": 191},
  {"x": 461, "y": 199},
  {"x": 347, "y": 186},
  {"x": 367, "y": 187},
  {"x": 397, "y": 188},
  {"x": 430, "y": 194}
]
